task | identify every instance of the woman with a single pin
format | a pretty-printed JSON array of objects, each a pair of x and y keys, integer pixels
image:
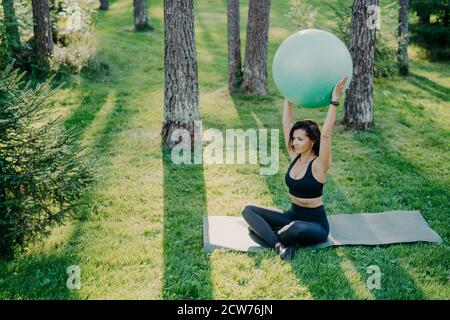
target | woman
[{"x": 305, "y": 223}]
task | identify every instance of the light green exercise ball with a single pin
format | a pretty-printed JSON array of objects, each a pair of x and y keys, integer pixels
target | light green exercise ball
[{"x": 307, "y": 66}]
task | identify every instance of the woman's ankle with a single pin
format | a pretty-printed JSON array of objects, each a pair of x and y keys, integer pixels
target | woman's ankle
[{"x": 286, "y": 253}]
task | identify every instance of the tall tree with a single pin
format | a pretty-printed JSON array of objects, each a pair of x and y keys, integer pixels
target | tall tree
[
  {"x": 11, "y": 27},
  {"x": 358, "y": 106},
  {"x": 181, "y": 94},
  {"x": 234, "y": 47},
  {"x": 255, "y": 67},
  {"x": 42, "y": 32},
  {"x": 403, "y": 61},
  {"x": 140, "y": 15},
  {"x": 104, "y": 5}
]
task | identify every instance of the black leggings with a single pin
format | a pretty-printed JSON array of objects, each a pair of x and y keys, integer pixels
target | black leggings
[{"x": 296, "y": 226}]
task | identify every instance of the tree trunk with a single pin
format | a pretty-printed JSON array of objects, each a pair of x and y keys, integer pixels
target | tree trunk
[
  {"x": 234, "y": 47},
  {"x": 424, "y": 17},
  {"x": 42, "y": 32},
  {"x": 255, "y": 68},
  {"x": 358, "y": 106},
  {"x": 103, "y": 5},
  {"x": 140, "y": 15},
  {"x": 181, "y": 95},
  {"x": 446, "y": 16},
  {"x": 403, "y": 60},
  {"x": 11, "y": 27}
]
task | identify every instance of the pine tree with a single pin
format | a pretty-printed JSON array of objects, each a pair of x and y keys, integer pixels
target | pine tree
[{"x": 43, "y": 172}]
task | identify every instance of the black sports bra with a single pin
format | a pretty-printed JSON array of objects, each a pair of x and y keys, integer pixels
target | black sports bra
[{"x": 306, "y": 187}]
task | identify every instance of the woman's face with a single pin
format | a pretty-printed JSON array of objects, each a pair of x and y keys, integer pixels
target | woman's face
[{"x": 301, "y": 141}]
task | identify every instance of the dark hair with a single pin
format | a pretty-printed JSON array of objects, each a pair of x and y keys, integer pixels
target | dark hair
[{"x": 312, "y": 131}]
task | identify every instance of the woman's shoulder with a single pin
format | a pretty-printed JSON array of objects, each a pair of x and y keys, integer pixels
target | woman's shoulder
[{"x": 318, "y": 174}]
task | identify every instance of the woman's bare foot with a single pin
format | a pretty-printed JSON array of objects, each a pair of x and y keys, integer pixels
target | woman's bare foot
[{"x": 286, "y": 253}]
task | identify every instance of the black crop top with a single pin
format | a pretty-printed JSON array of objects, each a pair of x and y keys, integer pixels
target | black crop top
[{"x": 306, "y": 187}]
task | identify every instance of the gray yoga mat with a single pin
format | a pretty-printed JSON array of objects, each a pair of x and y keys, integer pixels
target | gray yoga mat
[{"x": 229, "y": 232}]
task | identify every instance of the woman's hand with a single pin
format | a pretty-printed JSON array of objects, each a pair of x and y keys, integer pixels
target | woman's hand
[{"x": 338, "y": 89}]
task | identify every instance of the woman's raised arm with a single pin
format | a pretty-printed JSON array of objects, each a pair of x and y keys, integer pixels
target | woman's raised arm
[
  {"x": 324, "y": 160},
  {"x": 287, "y": 125}
]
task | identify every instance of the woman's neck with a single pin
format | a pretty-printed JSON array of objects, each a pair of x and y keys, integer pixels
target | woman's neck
[{"x": 307, "y": 156}]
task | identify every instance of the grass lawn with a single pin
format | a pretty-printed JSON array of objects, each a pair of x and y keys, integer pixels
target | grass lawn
[{"x": 141, "y": 237}]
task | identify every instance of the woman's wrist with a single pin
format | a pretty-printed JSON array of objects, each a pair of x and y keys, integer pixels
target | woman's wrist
[{"x": 334, "y": 102}]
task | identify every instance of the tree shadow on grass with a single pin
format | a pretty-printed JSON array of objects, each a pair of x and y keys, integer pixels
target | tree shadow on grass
[
  {"x": 429, "y": 86},
  {"x": 87, "y": 110},
  {"x": 39, "y": 276},
  {"x": 410, "y": 190},
  {"x": 187, "y": 269}
]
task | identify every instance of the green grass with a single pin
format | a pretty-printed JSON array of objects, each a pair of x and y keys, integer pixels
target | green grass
[{"x": 141, "y": 237}]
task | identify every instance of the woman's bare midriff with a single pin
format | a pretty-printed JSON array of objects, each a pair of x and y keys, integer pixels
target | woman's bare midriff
[{"x": 308, "y": 203}]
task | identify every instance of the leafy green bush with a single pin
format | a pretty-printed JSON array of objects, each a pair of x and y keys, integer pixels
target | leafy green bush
[
  {"x": 72, "y": 22},
  {"x": 43, "y": 172},
  {"x": 431, "y": 29},
  {"x": 302, "y": 15},
  {"x": 74, "y": 50}
]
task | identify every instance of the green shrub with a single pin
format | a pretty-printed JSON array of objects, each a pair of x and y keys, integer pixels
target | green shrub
[
  {"x": 434, "y": 38},
  {"x": 302, "y": 15},
  {"x": 74, "y": 50},
  {"x": 430, "y": 27},
  {"x": 43, "y": 171}
]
